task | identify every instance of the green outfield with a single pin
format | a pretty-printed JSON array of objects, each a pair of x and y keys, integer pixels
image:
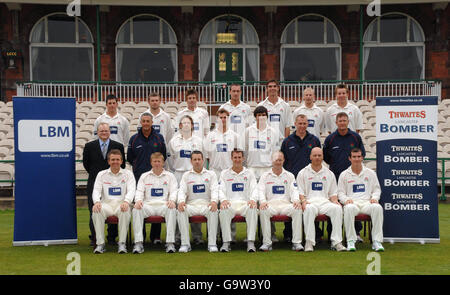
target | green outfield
[{"x": 398, "y": 259}]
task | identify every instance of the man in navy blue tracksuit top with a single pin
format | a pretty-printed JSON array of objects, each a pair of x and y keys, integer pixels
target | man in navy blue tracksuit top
[
  {"x": 297, "y": 149},
  {"x": 140, "y": 147},
  {"x": 337, "y": 145}
]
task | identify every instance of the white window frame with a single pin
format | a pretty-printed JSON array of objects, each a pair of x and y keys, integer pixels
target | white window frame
[
  {"x": 408, "y": 43},
  {"x": 77, "y": 44},
  {"x": 242, "y": 46},
  {"x": 148, "y": 46},
  {"x": 325, "y": 44}
]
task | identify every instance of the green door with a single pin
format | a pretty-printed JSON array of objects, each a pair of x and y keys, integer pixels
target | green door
[{"x": 229, "y": 65}]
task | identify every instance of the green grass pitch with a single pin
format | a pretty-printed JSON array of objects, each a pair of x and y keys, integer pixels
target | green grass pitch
[{"x": 398, "y": 259}]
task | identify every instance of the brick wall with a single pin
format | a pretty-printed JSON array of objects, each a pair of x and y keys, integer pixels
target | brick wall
[{"x": 187, "y": 27}]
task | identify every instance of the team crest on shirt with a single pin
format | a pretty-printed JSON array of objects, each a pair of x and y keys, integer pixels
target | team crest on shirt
[
  {"x": 245, "y": 178},
  {"x": 165, "y": 183},
  {"x": 206, "y": 180},
  {"x": 352, "y": 145},
  {"x": 310, "y": 146},
  {"x": 366, "y": 178},
  {"x": 285, "y": 181},
  {"x": 324, "y": 178},
  {"x": 155, "y": 145}
]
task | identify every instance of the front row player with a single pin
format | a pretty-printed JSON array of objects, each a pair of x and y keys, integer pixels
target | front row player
[
  {"x": 238, "y": 196},
  {"x": 156, "y": 195},
  {"x": 278, "y": 195},
  {"x": 113, "y": 193},
  {"x": 359, "y": 191},
  {"x": 318, "y": 195},
  {"x": 198, "y": 195}
]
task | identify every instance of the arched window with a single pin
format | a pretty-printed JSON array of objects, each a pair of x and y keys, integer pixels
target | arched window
[
  {"x": 146, "y": 50},
  {"x": 310, "y": 50},
  {"x": 228, "y": 50},
  {"x": 61, "y": 49},
  {"x": 394, "y": 48}
]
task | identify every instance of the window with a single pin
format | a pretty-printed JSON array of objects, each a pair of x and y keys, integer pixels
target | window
[
  {"x": 146, "y": 50},
  {"x": 394, "y": 49},
  {"x": 61, "y": 49},
  {"x": 228, "y": 50},
  {"x": 310, "y": 50}
]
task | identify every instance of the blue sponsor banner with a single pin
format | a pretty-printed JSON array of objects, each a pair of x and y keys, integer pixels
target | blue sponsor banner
[
  {"x": 407, "y": 167},
  {"x": 45, "y": 203}
]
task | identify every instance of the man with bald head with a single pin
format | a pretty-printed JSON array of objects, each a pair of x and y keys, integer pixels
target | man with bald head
[
  {"x": 278, "y": 195},
  {"x": 315, "y": 115},
  {"x": 318, "y": 195}
]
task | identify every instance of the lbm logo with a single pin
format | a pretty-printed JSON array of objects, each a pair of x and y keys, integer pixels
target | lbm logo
[
  {"x": 54, "y": 131},
  {"x": 45, "y": 135}
]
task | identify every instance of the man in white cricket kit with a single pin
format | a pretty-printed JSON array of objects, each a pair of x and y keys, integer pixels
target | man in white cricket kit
[
  {"x": 219, "y": 144},
  {"x": 343, "y": 105},
  {"x": 261, "y": 141},
  {"x": 181, "y": 147},
  {"x": 238, "y": 196},
  {"x": 318, "y": 195},
  {"x": 280, "y": 114},
  {"x": 278, "y": 195},
  {"x": 315, "y": 115},
  {"x": 199, "y": 115},
  {"x": 113, "y": 193},
  {"x": 198, "y": 195},
  {"x": 161, "y": 120},
  {"x": 240, "y": 112},
  {"x": 359, "y": 191},
  {"x": 118, "y": 124},
  {"x": 156, "y": 195}
]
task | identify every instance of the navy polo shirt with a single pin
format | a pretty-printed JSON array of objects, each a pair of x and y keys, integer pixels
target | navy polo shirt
[
  {"x": 140, "y": 148},
  {"x": 297, "y": 151},
  {"x": 336, "y": 150}
]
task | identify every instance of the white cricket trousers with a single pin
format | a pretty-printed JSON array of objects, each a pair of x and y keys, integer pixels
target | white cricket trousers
[
  {"x": 147, "y": 210},
  {"x": 238, "y": 208},
  {"x": 111, "y": 208},
  {"x": 281, "y": 207},
  {"x": 365, "y": 207},
  {"x": 323, "y": 206},
  {"x": 198, "y": 208}
]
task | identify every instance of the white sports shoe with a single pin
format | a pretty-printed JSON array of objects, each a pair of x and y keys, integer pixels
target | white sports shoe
[
  {"x": 122, "y": 248},
  {"x": 170, "y": 248},
  {"x": 265, "y": 248},
  {"x": 212, "y": 248},
  {"x": 138, "y": 248},
  {"x": 184, "y": 249},
  {"x": 100, "y": 249},
  {"x": 297, "y": 247},
  {"x": 309, "y": 246},
  {"x": 251, "y": 246},
  {"x": 338, "y": 247},
  {"x": 225, "y": 247},
  {"x": 377, "y": 246},
  {"x": 351, "y": 246}
]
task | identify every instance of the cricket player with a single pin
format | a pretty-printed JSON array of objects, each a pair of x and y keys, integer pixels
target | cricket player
[
  {"x": 156, "y": 195},
  {"x": 278, "y": 195},
  {"x": 219, "y": 143},
  {"x": 113, "y": 193},
  {"x": 198, "y": 195},
  {"x": 199, "y": 115},
  {"x": 359, "y": 191},
  {"x": 318, "y": 195},
  {"x": 315, "y": 115},
  {"x": 238, "y": 196}
]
